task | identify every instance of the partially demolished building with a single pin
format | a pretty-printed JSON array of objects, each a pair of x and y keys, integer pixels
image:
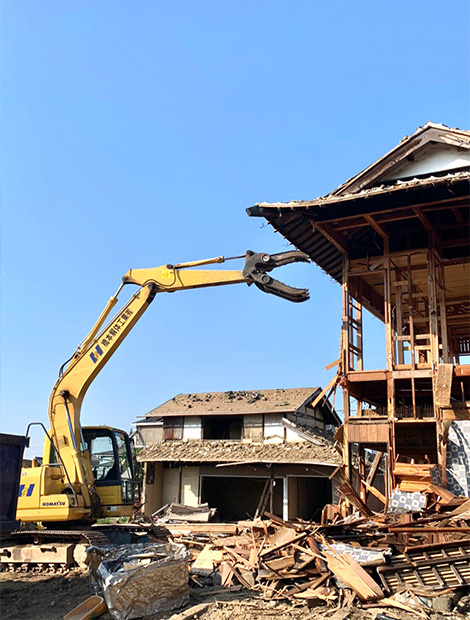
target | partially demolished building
[
  {"x": 241, "y": 452},
  {"x": 396, "y": 238}
]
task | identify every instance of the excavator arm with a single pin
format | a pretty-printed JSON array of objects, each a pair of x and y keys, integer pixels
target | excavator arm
[{"x": 104, "y": 339}]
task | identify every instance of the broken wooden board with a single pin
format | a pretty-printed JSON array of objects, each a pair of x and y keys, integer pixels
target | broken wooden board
[
  {"x": 282, "y": 545},
  {"x": 353, "y": 575},
  {"x": 286, "y": 561},
  {"x": 206, "y": 560},
  {"x": 201, "y": 528},
  {"x": 443, "y": 385}
]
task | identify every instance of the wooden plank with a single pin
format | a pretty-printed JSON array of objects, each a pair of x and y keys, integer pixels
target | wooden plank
[
  {"x": 368, "y": 431},
  {"x": 238, "y": 558},
  {"x": 310, "y": 584},
  {"x": 446, "y": 495},
  {"x": 348, "y": 570},
  {"x": 375, "y": 492},
  {"x": 319, "y": 562},
  {"x": 443, "y": 385},
  {"x": 238, "y": 576},
  {"x": 350, "y": 494},
  {"x": 283, "y": 545},
  {"x": 465, "y": 507},
  {"x": 203, "y": 528},
  {"x": 226, "y": 574},
  {"x": 204, "y": 564},
  {"x": 192, "y": 612},
  {"x": 323, "y": 392},
  {"x": 367, "y": 375},
  {"x": 285, "y": 561}
]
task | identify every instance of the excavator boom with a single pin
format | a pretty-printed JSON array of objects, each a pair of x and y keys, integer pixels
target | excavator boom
[{"x": 65, "y": 488}]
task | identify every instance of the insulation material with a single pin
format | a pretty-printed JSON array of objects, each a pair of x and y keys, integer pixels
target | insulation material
[
  {"x": 402, "y": 501},
  {"x": 142, "y": 580},
  {"x": 458, "y": 458}
]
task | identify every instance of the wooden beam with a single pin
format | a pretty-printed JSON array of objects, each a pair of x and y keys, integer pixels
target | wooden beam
[
  {"x": 333, "y": 236},
  {"x": 458, "y": 215},
  {"x": 375, "y": 492},
  {"x": 462, "y": 371},
  {"x": 374, "y": 467},
  {"x": 455, "y": 243},
  {"x": 395, "y": 214},
  {"x": 376, "y": 226},
  {"x": 424, "y": 220}
]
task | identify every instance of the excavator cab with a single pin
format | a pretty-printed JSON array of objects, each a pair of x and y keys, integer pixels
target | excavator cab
[{"x": 111, "y": 464}]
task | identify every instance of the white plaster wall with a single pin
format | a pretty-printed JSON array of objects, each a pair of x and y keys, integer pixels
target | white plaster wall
[
  {"x": 292, "y": 437},
  {"x": 434, "y": 158},
  {"x": 273, "y": 428},
  {"x": 192, "y": 428},
  {"x": 190, "y": 484},
  {"x": 171, "y": 482}
]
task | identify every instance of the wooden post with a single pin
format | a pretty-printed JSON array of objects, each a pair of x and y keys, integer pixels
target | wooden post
[
  {"x": 362, "y": 472},
  {"x": 433, "y": 325},
  {"x": 345, "y": 327},
  {"x": 446, "y": 358},
  {"x": 410, "y": 314},
  {"x": 388, "y": 315}
]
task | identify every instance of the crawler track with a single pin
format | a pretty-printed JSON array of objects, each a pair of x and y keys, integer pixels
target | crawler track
[{"x": 33, "y": 550}]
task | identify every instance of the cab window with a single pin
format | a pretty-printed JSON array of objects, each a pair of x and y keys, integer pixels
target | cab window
[{"x": 103, "y": 462}]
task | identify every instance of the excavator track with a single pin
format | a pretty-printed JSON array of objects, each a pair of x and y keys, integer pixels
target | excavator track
[
  {"x": 54, "y": 551},
  {"x": 48, "y": 550}
]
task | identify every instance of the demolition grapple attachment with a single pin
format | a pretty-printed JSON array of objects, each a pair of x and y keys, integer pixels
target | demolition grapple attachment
[{"x": 257, "y": 266}]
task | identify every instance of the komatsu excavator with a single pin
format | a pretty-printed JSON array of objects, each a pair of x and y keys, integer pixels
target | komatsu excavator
[{"x": 87, "y": 473}]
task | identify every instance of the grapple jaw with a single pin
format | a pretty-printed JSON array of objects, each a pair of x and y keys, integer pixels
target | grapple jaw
[{"x": 257, "y": 266}]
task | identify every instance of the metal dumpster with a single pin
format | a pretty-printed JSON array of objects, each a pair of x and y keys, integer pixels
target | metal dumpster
[{"x": 11, "y": 457}]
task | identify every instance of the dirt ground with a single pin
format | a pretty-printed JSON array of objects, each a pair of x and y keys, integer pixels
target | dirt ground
[{"x": 28, "y": 596}]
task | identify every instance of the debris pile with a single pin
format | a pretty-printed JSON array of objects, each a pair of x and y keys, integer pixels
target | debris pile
[{"x": 413, "y": 562}]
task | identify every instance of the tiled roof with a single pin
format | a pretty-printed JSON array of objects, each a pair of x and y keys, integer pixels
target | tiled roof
[
  {"x": 330, "y": 199},
  {"x": 241, "y": 402},
  {"x": 239, "y": 452}
]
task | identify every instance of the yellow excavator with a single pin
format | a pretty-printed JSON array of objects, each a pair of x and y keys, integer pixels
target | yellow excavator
[{"x": 87, "y": 473}]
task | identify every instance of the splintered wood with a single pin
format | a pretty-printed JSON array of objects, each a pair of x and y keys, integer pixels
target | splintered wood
[
  {"x": 281, "y": 561},
  {"x": 357, "y": 560}
]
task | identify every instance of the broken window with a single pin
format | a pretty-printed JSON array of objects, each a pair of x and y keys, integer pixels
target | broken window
[
  {"x": 222, "y": 427},
  {"x": 173, "y": 428},
  {"x": 253, "y": 427}
]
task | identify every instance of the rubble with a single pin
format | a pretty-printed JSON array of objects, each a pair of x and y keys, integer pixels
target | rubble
[
  {"x": 415, "y": 562},
  {"x": 223, "y": 451}
]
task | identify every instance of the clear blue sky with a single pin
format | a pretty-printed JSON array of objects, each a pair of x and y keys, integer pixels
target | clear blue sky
[{"x": 136, "y": 134}]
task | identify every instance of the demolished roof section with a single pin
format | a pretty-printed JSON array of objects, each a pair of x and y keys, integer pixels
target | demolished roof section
[
  {"x": 424, "y": 181},
  {"x": 236, "y": 452},
  {"x": 244, "y": 402}
]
